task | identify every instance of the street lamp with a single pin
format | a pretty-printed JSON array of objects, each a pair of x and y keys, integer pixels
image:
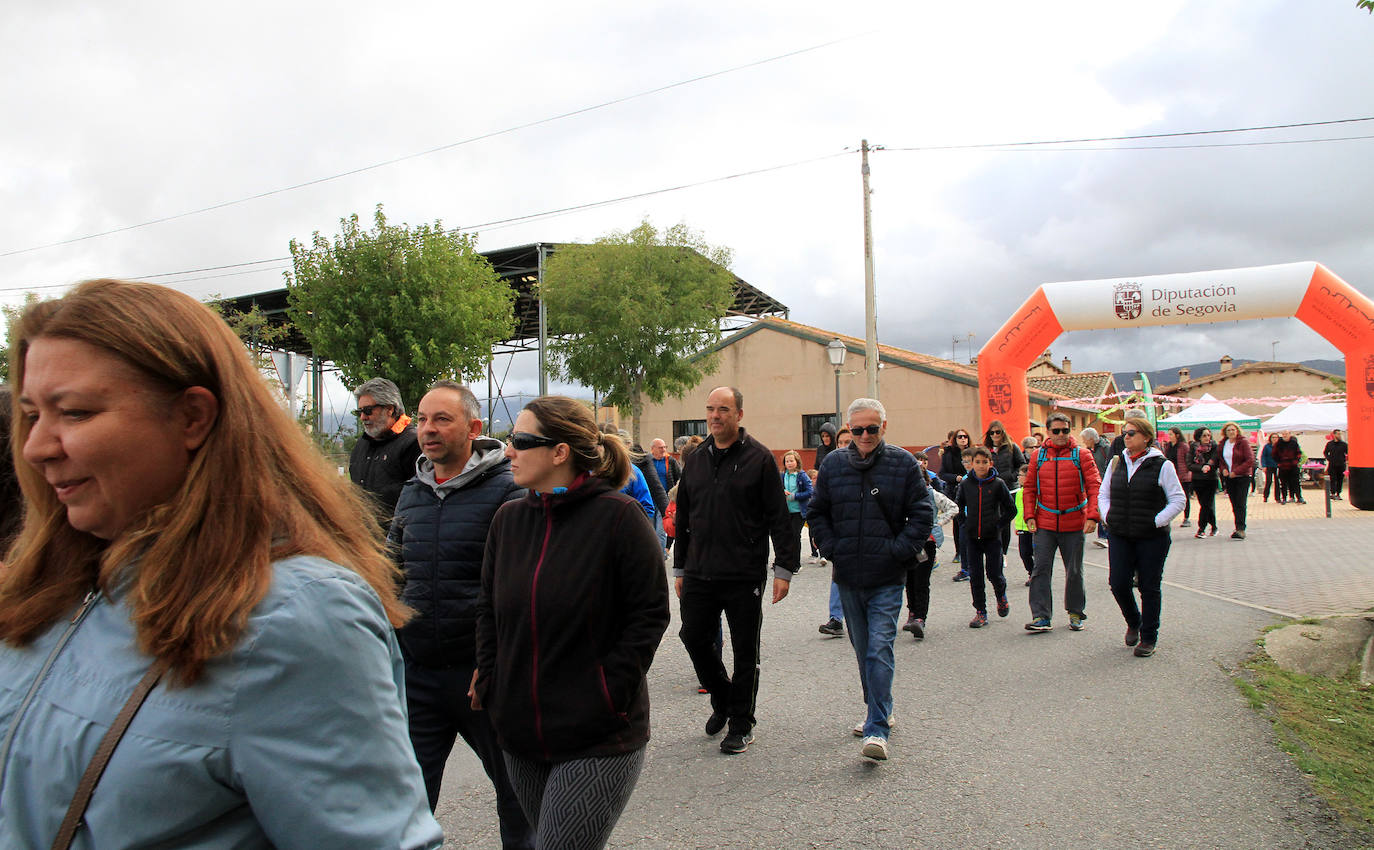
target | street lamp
[{"x": 836, "y": 351}]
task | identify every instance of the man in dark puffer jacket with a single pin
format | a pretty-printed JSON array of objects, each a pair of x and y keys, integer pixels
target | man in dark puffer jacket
[
  {"x": 439, "y": 536},
  {"x": 871, "y": 516}
]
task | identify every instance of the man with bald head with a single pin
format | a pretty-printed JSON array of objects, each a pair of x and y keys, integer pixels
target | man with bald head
[{"x": 730, "y": 501}]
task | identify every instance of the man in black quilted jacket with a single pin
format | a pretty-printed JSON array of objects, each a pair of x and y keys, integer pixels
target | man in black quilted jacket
[
  {"x": 439, "y": 536},
  {"x": 871, "y": 517}
]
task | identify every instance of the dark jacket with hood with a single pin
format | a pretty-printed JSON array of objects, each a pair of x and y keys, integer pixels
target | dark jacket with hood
[
  {"x": 657, "y": 491},
  {"x": 871, "y": 516},
  {"x": 382, "y": 465},
  {"x": 822, "y": 450},
  {"x": 1007, "y": 459},
  {"x": 951, "y": 469},
  {"x": 438, "y": 537},
  {"x": 986, "y": 505},
  {"x": 574, "y": 603},
  {"x": 729, "y": 503}
]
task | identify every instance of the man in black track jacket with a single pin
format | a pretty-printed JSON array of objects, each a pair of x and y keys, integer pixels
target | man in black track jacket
[
  {"x": 439, "y": 536},
  {"x": 729, "y": 504}
]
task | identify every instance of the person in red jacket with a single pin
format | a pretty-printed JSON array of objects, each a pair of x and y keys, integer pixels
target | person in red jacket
[
  {"x": 1060, "y": 501},
  {"x": 1236, "y": 465}
]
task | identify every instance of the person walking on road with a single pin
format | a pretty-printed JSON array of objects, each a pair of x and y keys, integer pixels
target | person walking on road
[
  {"x": 1007, "y": 459},
  {"x": 383, "y": 459},
  {"x": 1236, "y": 465},
  {"x": 573, "y": 607},
  {"x": 1337, "y": 452},
  {"x": 872, "y": 515},
  {"x": 1202, "y": 462},
  {"x": 1101, "y": 451},
  {"x": 1178, "y": 456},
  {"x": 987, "y": 507},
  {"x": 438, "y": 538},
  {"x": 1288, "y": 456},
  {"x": 796, "y": 486},
  {"x": 1140, "y": 497},
  {"x": 1060, "y": 496},
  {"x": 729, "y": 504},
  {"x": 1270, "y": 467}
]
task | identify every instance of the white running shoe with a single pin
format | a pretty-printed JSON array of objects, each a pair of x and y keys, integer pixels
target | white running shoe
[
  {"x": 875, "y": 748},
  {"x": 891, "y": 724}
]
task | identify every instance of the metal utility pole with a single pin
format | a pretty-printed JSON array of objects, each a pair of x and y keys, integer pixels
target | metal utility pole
[{"x": 870, "y": 297}]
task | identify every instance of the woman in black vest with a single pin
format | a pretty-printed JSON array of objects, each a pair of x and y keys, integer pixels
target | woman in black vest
[{"x": 1139, "y": 497}]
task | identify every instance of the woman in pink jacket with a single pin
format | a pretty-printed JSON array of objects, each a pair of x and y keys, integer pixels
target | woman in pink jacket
[{"x": 1236, "y": 463}]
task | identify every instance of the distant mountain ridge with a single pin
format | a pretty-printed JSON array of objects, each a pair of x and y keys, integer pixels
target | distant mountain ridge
[{"x": 1169, "y": 377}]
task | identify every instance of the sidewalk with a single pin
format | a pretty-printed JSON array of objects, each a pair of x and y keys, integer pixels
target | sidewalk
[{"x": 1003, "y": 739}]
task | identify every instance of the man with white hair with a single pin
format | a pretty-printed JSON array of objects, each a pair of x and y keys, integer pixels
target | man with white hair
[
  {"x": 383, "y": 459},
  {"x": 871, "y": 516}
]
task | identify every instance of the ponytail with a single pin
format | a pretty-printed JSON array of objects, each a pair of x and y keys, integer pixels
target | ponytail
[{"x": 615, "y": 461}]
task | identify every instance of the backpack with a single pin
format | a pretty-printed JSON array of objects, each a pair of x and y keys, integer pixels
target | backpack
[{"x": 1082, "y": 481}]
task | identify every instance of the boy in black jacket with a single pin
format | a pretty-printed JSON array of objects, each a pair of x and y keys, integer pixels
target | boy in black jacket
[{"x": 987, "y": 508}]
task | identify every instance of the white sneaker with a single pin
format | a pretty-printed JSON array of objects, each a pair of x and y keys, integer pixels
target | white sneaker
[
  {"x": 875, "y": 748},
  {"x": 859, "y": 727}
]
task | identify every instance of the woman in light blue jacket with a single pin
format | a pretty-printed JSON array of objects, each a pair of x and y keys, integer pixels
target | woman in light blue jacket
[{"x": 180, "y": 530}]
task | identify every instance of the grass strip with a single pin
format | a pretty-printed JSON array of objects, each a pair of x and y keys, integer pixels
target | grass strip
[{"x": 1326, "y": 725}]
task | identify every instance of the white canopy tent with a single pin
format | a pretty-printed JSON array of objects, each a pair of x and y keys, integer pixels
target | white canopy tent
[
  {"x": 1209, "y": 413},
  {"x": 1307, "y": 416}
]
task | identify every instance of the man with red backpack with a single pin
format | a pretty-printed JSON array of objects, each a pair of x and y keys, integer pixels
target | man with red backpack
[{"x": 1060, "y": 500}]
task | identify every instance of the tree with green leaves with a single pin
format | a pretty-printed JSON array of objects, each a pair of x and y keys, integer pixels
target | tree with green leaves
[
  {"x": 1367, "y": 5},
  {"x": 634, "y": 313},
  {"x": 11, "y": 313},
  {"x": 412, "y": 305}
]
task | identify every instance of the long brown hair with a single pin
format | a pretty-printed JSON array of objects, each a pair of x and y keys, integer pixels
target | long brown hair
[
  {"x": 987, "y": 435},
  {"x": 256, "y": 491},
  {"x": 598, "y": 454}
]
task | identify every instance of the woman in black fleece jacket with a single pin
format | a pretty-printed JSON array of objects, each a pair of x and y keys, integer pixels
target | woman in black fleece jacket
[{"x": 574, "y": 603}]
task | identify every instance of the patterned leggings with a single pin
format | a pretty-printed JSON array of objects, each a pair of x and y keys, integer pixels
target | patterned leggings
[{"x": 574, "y": 804}]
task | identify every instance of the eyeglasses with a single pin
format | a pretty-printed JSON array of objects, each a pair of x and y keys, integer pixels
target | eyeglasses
[
  {"x": 520, "y": 441},
  {"x": 1129, "y": 433},
  {"x": 367, "y": 411},
  {"x": 860, "y": 430},
  {"x": 1059, "y": 430}
]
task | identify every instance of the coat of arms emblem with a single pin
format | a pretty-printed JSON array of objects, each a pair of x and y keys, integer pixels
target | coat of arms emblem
[
  {"x": 1127, "y": 300},
  {"x": 999, "y": 394}
]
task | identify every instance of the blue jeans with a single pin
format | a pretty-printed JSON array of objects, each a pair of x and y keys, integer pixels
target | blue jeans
[
  {"x": 836, "y": 610},
  {"x": 872, "y": 616}
]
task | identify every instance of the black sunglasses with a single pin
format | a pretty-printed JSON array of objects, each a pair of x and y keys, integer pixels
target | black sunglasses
[
  {"x": 995, "y": 431},
  {"x": 865, "y": 429},
  {"x": 1059, "y": 430},
  {"x": 961, "y": 436},
  {"x": 520, "y": 441},
  {"x": 367, "y": 411},
  {"x": 1129, "y": 433}
]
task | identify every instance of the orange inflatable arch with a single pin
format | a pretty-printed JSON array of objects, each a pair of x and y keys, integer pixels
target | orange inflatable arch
[{"x": 1309, "y": 291}]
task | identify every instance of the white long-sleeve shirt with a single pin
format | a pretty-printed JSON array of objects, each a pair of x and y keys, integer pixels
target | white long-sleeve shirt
[{"x": 1168, "y": 479}]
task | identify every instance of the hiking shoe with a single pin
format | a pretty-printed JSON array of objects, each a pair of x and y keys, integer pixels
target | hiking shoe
[
  {"x": 1039, "y": 624},
  {"x": 962, "y": 575},
  {"x": 1076, "y": 622},
  {"x": 715, "y": 723},
  {"x": 1003, "y": 606},
  {"x": 701, "y": 689},
  {"x": 956, "y": 557},
  {"x": 979, "y": 620},
  {"x": 1132, "y": 636},
  {"x": 1187, "y": 523},
  {"x": 1238, "y": 534},
  {"x": 917, "y": 627},
  {"x": 832, "y": 627},
  {"x": 859, "y": 727},
  {"x": 1145, "y": 650},
  {"x": 736, "y": 742},
  {"x": 874, "y": 748},
  {"x": 1099, "y": 544},
  {"x": 910, "y": 622}
]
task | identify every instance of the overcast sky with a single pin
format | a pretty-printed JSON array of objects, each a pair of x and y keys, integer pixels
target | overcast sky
[{"x": 120, "y": 114}]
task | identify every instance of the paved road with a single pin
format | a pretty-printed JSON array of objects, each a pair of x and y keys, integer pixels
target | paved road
[{"x": 1003, "y": 739}]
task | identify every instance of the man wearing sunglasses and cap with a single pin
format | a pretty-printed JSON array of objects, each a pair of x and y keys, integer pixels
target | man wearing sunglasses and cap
[
  {"x": 1060, "y": 500},
  {"x": 383, "y": 459}
]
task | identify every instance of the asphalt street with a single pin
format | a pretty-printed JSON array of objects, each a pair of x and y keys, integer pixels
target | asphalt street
[{"x": 1004, "y": 739}]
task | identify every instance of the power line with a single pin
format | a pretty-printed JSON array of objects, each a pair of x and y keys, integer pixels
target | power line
[
  {"x": 1186, "y": 147},
  {"x": 491, "y": 135},
  {"x": 1136, "y": 137}
]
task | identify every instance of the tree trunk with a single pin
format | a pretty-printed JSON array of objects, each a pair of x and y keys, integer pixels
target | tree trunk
[{"x": 636, "y": 408}]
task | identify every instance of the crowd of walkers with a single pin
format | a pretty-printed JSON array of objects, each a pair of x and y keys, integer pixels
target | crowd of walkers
[{"x": 194, "y": 595}]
